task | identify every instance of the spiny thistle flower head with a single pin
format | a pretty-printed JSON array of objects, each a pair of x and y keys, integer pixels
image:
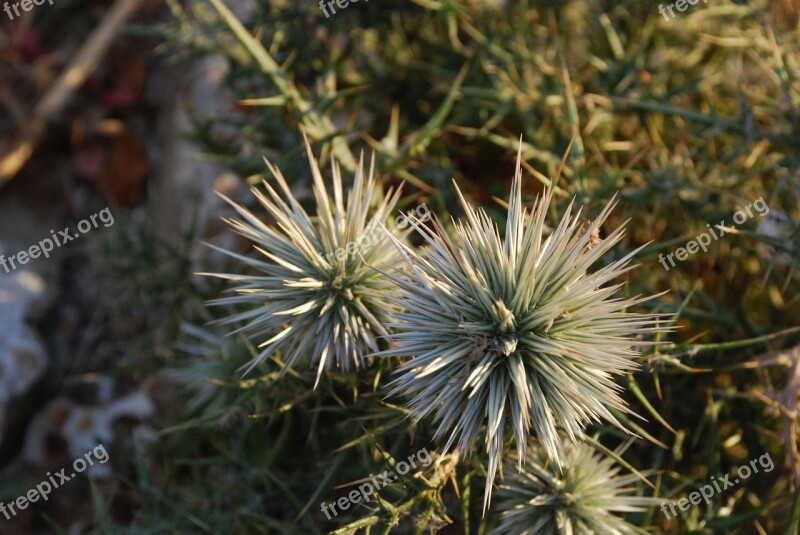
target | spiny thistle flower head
[
  {"x": 316, "y": 294},
  {"x": 514, "y": 331},
  {"x": 579, "y": 497}
]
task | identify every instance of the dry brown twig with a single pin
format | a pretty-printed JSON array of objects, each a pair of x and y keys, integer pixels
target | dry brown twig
[
  {"x": 788, "y": 401},
  {"x": 785, "y": 402},
  {"x": 74, "y": 75}
]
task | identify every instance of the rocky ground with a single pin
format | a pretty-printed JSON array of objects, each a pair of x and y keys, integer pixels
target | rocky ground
[{"x": 116, "y": 142}]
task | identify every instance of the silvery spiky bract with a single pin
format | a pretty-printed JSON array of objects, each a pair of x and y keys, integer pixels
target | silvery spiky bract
[
  {"x": 514, "y": 331},
  {"x": 317, "y": 295},
  {"x": 578, "y": 498}
]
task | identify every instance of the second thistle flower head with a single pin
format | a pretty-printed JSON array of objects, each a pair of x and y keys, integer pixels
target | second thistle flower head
[
  {"x": 580, "y": 497},
  {"x": 316, "y": 294},
  {"x": 514, "y": 331}
]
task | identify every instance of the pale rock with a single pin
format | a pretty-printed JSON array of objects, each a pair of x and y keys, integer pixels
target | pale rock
[
  {"x": 23, "y": 358},
  {"x": 84, "y": 427}
]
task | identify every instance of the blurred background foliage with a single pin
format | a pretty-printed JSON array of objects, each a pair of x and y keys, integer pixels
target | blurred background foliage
[{"x": 688, "y": 120}]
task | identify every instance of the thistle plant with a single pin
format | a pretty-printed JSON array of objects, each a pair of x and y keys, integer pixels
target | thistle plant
[
  {"x": 579, "y": 497},
  {"x": 514, "y": 331},
  {"x": 316, "y": 294}
]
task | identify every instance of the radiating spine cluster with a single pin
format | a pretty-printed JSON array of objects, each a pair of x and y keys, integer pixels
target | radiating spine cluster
[
  {"x": 311, "y": 296},
  {"x": 581, "y": 496},
  {"x": 514, "y": 330},
  {"x": 500, "y": 331}
]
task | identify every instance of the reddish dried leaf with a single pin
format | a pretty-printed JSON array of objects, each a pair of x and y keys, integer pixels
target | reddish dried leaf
[{"x": 122, "y": 179}]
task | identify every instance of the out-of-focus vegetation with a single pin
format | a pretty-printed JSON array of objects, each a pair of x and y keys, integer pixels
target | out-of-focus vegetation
[{"x": 689, "y": 120}]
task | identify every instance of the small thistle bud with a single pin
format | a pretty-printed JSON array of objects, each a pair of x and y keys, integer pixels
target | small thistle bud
[{"x": 579, "y": 497}]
